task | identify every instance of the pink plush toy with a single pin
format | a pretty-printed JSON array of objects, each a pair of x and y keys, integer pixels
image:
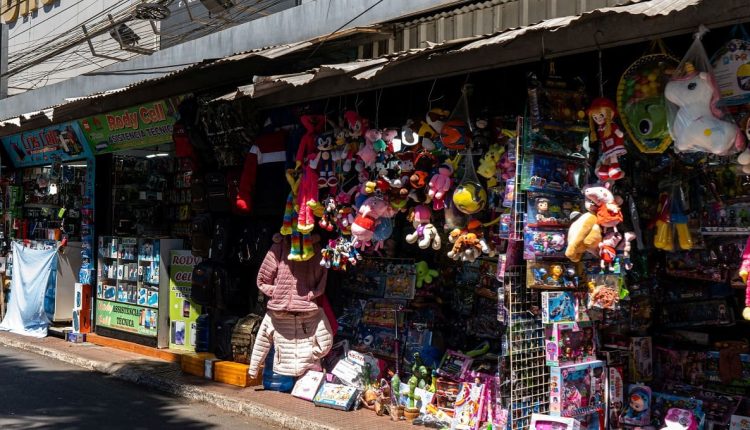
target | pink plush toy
[
  {"x": 367, "y": 219},
  {"x": 439, "y": 185},
  {"x": 425, "y": 234},
  {"x": 367, "y": 153},
  {"x": 608, "y": 249},
  {"x": 744, "y": 270}
]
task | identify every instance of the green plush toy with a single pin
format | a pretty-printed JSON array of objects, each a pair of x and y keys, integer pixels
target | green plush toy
[{"x": 424, "y": 273}]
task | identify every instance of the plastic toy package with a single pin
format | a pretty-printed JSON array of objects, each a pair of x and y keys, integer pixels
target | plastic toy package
[
  {"x": 558, "y": 307},
  {"x": 551, "y": 275},
  {"x": 550, "y": 210},
  {"x": 547, "y": 422},
  {"x": 541, "y": 244},
  {"x": 578, "y": 390},
  {"x": 546, "y": 173},
  {"x": 569, "y": 343}
]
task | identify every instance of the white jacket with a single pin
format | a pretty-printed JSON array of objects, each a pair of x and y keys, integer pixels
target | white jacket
[{"x": 300, "y": 340}]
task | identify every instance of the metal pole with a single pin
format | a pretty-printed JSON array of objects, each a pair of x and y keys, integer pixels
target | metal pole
[{"x": 3, "y": 61}]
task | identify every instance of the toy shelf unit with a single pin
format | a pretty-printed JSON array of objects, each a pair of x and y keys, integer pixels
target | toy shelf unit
[
  {"x": 529, "y": 374},
  {"x": 132, "y": 290}
]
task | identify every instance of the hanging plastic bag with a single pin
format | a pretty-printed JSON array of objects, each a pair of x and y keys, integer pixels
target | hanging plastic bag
[
  {"x": 640, "y": 100},
  {"x": 731, "y": 64},
  {"x": 696, "y": 122}
]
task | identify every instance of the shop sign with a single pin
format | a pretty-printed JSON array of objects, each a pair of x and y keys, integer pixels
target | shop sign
[
  {"x": 11, "y": 9},
  {"x": 126, "y": 317},
  {"x": 183, "y": 312},
  {"x": 135, "y": 127},
  {"x": 60, "y": 142}
]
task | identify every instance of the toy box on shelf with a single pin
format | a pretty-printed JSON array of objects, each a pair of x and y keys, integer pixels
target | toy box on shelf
[
  {"x": 542, "y": 244},
  {"x": 550, "y": 209},
  {"x": 556, "y": 174},
  {"x": 570, "y": 343},
  {"x": 577, "y": 390},
  {"x": 641, "y": 359},
  {"x": 552, "y": 275},
  {"x": 615, "y": 394},
  {"x": 663, "y": 402},
  {"x": 718, "y": 407},
  {"x": 712, "y": 369},
  {"x": 558, "y": 307},
  {"x": 547, "y": 422},
  {"x": 717, "y": 312},
  {"x": 694, "y": 264}
]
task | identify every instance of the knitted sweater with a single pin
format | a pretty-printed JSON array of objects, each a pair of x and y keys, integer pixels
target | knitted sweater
[
  {"x": 300, "y": 340},
  {"x": 291, "y": 285}
]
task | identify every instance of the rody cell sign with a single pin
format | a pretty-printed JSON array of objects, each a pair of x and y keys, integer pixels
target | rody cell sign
[
  {"x": 11, "y": 9},
  {"x": 136, "y": 127}
]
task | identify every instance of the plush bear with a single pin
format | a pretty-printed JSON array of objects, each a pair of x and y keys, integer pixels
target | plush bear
[
  {"x": 584, "y": 235},
  {"x": 425, "y": 275}
]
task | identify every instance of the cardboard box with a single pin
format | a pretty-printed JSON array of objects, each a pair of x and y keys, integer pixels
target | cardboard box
[
  {"x": 229, "y": 372},
  {"x": 569, "y": 343},
  {"x": 558, "y": 307},
  {"x": 587, "y": 379},
  {"x": 540, "y": 421},
  {"x": 195, "y": 364},
  {"x": 641, "y": 359}
]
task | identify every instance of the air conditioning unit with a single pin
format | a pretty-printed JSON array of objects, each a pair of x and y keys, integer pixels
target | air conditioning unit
[{"x": 217, "y": 6}]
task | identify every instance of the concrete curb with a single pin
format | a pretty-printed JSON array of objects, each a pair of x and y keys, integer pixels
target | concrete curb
[{"x": 141, "y": 377}]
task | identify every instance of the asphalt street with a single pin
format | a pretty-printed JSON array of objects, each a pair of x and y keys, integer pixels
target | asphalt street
[{"x": 37, "y": 392}]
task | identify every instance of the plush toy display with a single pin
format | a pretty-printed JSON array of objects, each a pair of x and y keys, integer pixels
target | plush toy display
[
  {"x": 308, "y": 188},
  {"x": 468, "y": 243},
  {"x": 426, "y": 234},
  {"x": 604, "y": 130},
  {"x": 697, "y": 125},
  {"x": 488, "y": 164},
  {"x": 432, "y": 126},
  {"x": 424, "y": 273}
]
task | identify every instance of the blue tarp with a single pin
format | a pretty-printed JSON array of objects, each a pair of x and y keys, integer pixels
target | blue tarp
[{"x": 32, "y": 269}]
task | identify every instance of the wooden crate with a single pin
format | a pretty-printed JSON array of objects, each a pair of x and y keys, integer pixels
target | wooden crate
[
  {"x": 229, "y": 372},
  {"x": 195, "y": 364}
]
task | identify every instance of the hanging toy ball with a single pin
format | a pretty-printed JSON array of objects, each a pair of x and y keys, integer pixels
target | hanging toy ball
[{"x": 470, "y": 197}]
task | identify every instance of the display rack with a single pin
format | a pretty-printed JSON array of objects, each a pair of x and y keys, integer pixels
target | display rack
[{"x": 529, "y": 375}]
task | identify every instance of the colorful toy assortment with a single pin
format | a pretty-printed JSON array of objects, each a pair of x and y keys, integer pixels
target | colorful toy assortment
[{"x": 569, "y": 343}]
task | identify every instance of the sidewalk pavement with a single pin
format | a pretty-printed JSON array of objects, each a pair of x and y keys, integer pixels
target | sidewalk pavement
[{"x": 278, "y": 409}]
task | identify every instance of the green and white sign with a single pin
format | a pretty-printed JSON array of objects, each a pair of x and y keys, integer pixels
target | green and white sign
[
  {"x": 183, "y": 312},
  {"x": 139, "y": 126},
  {"x": 126, "y": 317}
]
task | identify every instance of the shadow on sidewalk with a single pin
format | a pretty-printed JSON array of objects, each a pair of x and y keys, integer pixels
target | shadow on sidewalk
[{"x": 51, "y": 396}]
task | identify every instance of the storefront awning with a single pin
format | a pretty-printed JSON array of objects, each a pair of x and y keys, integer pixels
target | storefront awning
[{"x": 606, "y": 27}]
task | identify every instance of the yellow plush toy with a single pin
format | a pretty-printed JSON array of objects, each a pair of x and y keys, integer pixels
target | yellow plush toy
[{"x": 584, "y": 235}]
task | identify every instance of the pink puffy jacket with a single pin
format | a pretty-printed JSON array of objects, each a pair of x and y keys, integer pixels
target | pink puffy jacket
[{"x": 292, "y": 286}]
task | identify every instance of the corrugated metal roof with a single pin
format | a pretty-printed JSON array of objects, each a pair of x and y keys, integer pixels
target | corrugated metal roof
[{"x": 647, "y": 8}]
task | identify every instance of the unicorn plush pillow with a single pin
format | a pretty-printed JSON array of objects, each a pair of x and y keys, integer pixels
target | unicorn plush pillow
[{"x": 697, "y": 126}]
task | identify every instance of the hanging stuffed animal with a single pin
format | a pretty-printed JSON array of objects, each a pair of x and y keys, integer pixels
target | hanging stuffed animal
[
  {"x": 432, "y": 126},
  {"x": 426, "y": 234},
  {"x": 744, "y": 270},
  {"x": 604, "y": 130},
  {"x": 328, "y": 217},
  {"x": 608, "y": 249},
  {"x": 488, "y": 164},
  {"x": 697, "y": 125},
  {"x": 367, "y": 219},
  {"x": 308, "y": 188},
  {"x": 344, "y": 213},
  {"x": 439, "y": 185},
  {"x": 324, "y": 160}
]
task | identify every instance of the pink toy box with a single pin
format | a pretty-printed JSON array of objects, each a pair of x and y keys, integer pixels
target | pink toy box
[
  {"x": 578, "y": 390},
  {"x": 569, "y": 343},
  {"x": 546, "y": 422}
]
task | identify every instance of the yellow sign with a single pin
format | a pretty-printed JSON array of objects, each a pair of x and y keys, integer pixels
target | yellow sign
[{"x": 12, "y": 8}]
